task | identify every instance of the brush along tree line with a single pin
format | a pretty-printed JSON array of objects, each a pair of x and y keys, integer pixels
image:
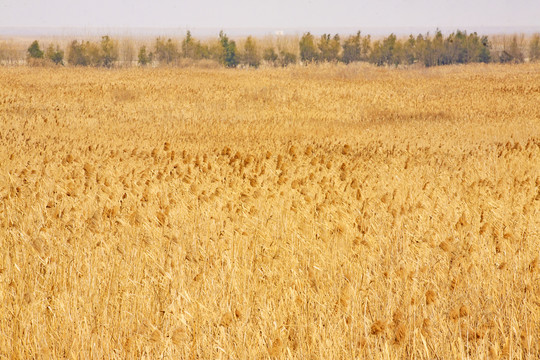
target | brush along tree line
[{"x": 455, "y": 48}]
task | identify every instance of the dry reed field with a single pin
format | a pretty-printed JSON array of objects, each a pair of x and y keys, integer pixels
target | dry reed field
[{"x": 320, "y": 212}]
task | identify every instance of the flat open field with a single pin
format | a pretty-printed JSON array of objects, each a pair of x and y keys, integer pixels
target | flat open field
[{"x": 310, "y": 213}]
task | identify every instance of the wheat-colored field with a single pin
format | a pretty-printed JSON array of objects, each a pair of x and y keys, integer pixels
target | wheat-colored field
[{"x": 309, "y": 212}]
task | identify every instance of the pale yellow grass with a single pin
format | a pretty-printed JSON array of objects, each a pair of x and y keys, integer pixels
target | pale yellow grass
[{"x": 310, "y": 213}]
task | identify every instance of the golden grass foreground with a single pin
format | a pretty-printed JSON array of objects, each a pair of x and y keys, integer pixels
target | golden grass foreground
[{"x": 306, "y": 213}]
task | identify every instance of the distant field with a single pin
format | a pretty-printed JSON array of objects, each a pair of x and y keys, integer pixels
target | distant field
[{"x": 309, "y": 212}]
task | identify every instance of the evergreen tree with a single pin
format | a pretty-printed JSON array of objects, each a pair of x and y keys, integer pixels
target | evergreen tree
[
  {"x": 464, "y": 53},
  {"x": 77, "y": 54},
  {"x": 34, "y": 51},
  {"x": 109, "y": 51},
  {"x": 229, "y": 58},
  {"x": 484, "y": 54},
  {"x": 192, "y": 48},
  {"x": 55, "y": 54},
  {"x": 477, "y": 48},
  {"x": 188, "y": 46}
]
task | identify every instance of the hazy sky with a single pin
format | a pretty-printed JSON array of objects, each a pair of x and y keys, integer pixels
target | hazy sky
[{"x": 269, "y": 14}]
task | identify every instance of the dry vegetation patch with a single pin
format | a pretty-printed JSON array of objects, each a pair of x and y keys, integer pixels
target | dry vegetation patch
[{"x": 317, "y": 212}]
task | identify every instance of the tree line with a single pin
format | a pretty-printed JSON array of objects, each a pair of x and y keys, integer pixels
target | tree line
[{"x": 458, "y": 47}]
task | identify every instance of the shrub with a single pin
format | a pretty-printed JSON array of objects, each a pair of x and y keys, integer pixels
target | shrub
[
  {"x": 287, "y": 58},
  {"x": 34, "y": 51},
  {"x": 388, "y": 48},
  {"x": 308, "y": 50},
  {"x": 329, "y": 47},
  {"x": 166, "y": 51},
  {"x": 109, "y": 52},
  {"x": 270, "y": 56},
  {"x": 145, "y": 58},
  {"x": 193, "y": 49},
  {"x": 56, "y": 55},
  {"x": 92, "y": 54},
  {"x": 77, "y": 54},
  {"x": 484, "y": 54},
  {"x": 251, "y": 56},
  {"x": 352, "y": 49},
  {"x": 228, "y": 56}
]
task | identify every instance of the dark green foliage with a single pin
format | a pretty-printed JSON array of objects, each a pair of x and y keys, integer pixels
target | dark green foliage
[
  {"x": 484, "y": 54},
  {"x": 228, "y": 56},
  {"x": 456, "y": 48},
  {"x": 56, "y": 55},
  {"x": 34, "y": 51},
  {"x": 468, "y": 47},
  {"x": 461, "y": 48},
  {"x": 145, "y": 58},
  {"x": 308, "y": 50}
]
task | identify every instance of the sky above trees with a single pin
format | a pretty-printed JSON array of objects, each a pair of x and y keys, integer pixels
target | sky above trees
[{"x": 270, "y": 14}]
